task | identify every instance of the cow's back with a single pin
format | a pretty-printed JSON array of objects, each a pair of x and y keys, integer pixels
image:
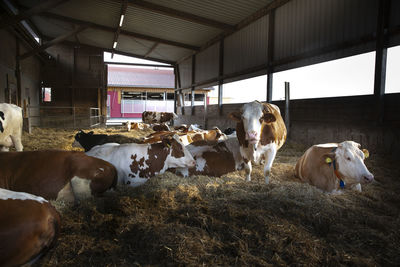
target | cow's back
[
  {"x": 28, "y": 228},
  {"x": 311, "y": 168},
  {"x": 274, "y": 131}
]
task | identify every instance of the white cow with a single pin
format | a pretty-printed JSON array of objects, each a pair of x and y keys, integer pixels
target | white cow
[
  {"x": 332, "y": 167},
  {"x": 136, "y": 163},
  {"x": 10, "y": 127}
]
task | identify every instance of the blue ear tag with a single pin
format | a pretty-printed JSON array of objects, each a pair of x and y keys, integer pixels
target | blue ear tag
[{"x": 342, "y": 184}]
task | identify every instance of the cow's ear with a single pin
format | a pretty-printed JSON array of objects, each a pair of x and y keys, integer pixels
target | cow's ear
[
  {"x": 268, "y": 117},
  {"x": 366, "y": 153},
  {"x": 236, "y": 116},
  {"x": 328, "y": 157},
  {"x": 2, "y": 115}
]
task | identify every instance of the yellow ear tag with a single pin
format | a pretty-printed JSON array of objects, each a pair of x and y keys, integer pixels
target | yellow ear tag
[
  {"x": 168, "y": 145},
  {"x": 366, "y": 153},
  {"x": 328, "y": 160}
]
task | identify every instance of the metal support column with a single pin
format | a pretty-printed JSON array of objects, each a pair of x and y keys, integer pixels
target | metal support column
[
  {"x": 193, "y": 81},
  {"x": 221, "y": 73},
  {"x": 270, "y": 70},
  {"x": 380, "y": 58}
]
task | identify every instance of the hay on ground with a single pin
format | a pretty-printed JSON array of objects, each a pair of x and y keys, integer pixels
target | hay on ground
[{"x": 226, "y": 221}]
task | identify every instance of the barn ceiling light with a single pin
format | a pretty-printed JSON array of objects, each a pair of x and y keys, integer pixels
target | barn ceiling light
[
  {"x": 121, "y": 20},
  {"x": 115, "y": 45}
]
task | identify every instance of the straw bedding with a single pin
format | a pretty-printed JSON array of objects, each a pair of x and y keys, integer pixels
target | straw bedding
[{"x": 226, "y": 221}]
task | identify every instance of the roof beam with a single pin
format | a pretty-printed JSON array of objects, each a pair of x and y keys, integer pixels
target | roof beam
[
  {"x": 123, "y": 32},
  {"x": 151, "y": 50},
  {"x": 117, "y": 52},
  {"x": 138, "y": 64},
  {"x": 37, "y": 9},
  {"x": 52, "y": 42},
  {"x": 120, "y": 21},
  {"x": 179, "y": 14}
]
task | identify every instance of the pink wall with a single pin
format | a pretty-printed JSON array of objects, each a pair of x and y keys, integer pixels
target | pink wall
[{"x": 115, "y": 107}]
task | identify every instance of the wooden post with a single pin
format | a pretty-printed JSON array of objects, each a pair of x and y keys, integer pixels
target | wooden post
[
  {"x": 26, "y": 123},
  {"x": 287, "y": 100},
  {"x": 18, "y": 73}
]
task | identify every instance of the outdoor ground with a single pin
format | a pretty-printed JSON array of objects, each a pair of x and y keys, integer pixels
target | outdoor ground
[{"x": 226, "y": 221}]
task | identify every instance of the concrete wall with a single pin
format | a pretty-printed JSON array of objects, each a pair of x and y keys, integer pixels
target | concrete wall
[{"x": 323, "y": 120}]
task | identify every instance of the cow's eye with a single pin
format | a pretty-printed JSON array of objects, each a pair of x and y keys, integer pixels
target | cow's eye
[{"x": 348, "y": 158}]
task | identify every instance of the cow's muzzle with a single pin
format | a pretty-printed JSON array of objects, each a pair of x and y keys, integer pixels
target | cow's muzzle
[
  {"x": 368, "y": 178},
  {"x": 252, "y": 137}
]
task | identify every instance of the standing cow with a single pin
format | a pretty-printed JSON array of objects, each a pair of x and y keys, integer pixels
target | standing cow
[
  {"x": 151, "y": 117},
  {"x": 10, "y": 127},
  {"x": 261, "y": 132},
  {"x": 334, "y": 166}
]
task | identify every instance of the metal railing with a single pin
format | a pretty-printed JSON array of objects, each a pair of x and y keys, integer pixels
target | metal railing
[{"x": 63, "y": 116}]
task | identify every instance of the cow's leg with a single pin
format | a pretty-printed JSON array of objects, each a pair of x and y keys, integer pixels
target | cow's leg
[
  {"x": 17, "y": 143},
  {"x": 248, "y": 168},
  {"x": 269, "y": 159}
]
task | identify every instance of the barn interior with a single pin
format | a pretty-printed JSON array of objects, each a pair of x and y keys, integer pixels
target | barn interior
[{"x": 58, "y": 46}]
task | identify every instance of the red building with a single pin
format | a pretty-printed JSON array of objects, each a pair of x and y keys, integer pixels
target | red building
[{"x": 132, "y": 90}]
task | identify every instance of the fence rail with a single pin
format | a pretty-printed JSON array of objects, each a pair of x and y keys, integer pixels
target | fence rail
[{"x": 64, "y": 116}]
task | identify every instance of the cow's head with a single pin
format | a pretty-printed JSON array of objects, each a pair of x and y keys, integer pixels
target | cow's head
[
  {"x": 179, "y": 155},
  {"x": 1, "y": 123},
  {"x": 350, "y": 162},
  {"x": 128, "y": 126},
  {"x": 252, "y": 116},
  {"x": 79, "y": 136}
]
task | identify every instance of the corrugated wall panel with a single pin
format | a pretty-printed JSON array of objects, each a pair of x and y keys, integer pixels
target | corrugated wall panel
[
  {"x": 207, "y": 63},
  {"x": 185, "y": 71},
  {"x": 170, "y": 53},
  {"x": 394, "y": 21},
  {"x": 246, "y": 48},
  {"x": 305, "y": 25}
]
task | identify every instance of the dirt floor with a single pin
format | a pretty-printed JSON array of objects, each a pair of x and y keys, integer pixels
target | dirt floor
[{"x": 226, "y": 221}]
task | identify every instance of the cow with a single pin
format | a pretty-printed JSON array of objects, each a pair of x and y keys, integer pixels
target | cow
[
  {"x": 151, "y": 117},
  {"x": 139, "y": 126},
  {"x": 214, "y": 158},
  {"x": 89, "y": 140},
  {"x": 29, "y": 227},
  {"x": 187, "y": 137},
  {"x": 136, "y": 163},
  {"x": 128, "y": 126},
  {"x": 161, "y": 127},
  {"x": 10, "y": 127},
  {"x": 56, "y": 174},
  {"x": 335, "y": 166},
  {"x": 229, "y": 131},
  {"x": 261, "y": 132}
]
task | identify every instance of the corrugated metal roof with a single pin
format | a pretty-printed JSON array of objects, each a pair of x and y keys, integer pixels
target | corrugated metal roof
[
  {"x": 120, "y": 76},
  {"x": 165, "y": 27},
  {"x": 230, "y": 12},
  {"x": 97, "y": 11}
]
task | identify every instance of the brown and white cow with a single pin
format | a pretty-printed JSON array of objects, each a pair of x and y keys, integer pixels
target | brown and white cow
[
  {"x": 136, "y": 163},
  {"x": 334, "y": 166},
  {"x": 188, "y": 137},
  {"x": 69, "y": 175},
  {"x": 158, "y": 117},
  {"x": 29, "y": 226},
  {"x": 214, "y": 158},
  {"x": 261, "y": 132}
]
